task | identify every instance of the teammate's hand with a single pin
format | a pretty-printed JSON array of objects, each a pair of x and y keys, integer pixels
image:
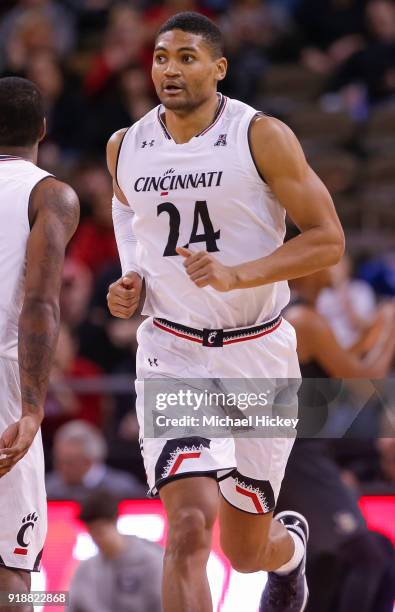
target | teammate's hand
[
  {"x": 123, "y": 296},
  {"x": 16, "y": 440},
  {"x": 203, "y": 269}
]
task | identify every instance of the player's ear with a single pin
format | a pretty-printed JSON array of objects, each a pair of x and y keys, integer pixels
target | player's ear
[
  {"x": 43, "y": 130},
  {"x": 222, "y": 67}
]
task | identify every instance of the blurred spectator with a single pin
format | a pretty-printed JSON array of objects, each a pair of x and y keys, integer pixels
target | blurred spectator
[
  {"x": 78, "y": 455},
  {"x": 122, "y": 47},
  {"x": 63, "y": 403},
  {"x": 386, "y": 448},
  {"x": 349, "y": 305},
  {"x": 94, "y": 243},
  {"x": 125, "y": 575},
  {"x": 379, "y": 272},
  {"x": 34, "y": 25},
  {"x": 76, "y": 293},
  {"x": 63, "y": 103},
  {"x": 129, "y": 98},
  {"x": 332, "y": 31},
  {"x": 373, "y": 66}
]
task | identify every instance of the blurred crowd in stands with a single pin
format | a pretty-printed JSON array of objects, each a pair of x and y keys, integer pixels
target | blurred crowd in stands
[{"x": 326, "y": 67}]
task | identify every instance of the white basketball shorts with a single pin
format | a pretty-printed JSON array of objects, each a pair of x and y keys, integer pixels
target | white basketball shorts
[
  {"x": 249, "y": 470},
  {"x": 23, "y": 507}
]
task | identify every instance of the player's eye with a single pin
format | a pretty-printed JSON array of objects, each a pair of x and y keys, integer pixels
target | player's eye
[
  {"x": 160, "y": 59},
  {"x": 187, "y": 59}
]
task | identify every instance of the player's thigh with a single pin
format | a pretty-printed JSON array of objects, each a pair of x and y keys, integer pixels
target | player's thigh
[{"x": 14, "y": 581}]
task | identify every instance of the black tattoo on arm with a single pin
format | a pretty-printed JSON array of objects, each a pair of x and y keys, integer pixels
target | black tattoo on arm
[{"x": 54, "y": 214}]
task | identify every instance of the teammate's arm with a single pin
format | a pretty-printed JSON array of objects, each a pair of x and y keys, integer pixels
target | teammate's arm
[
  {"x": 54, "y": 215},
  {"x": 281, "y": 162},
  {"x": 124, "y": 294},
  {"x": 317, "y": 342}
]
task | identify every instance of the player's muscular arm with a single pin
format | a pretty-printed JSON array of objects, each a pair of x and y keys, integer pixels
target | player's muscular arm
[
  {"x": 53, "y": 215},
  {"x": 124, "y": 294},
  {"x": 281, "y": 162}
]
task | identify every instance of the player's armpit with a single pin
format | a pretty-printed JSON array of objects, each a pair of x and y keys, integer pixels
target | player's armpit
[{"x": 54, "y": 215}]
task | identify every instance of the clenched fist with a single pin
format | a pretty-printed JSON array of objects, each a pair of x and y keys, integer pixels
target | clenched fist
[
  {"x": 123, "y": 296},
  {"x": 205, "y": 270}
]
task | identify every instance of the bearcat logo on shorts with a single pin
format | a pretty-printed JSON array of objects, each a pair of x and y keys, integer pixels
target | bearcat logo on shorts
[
  {"x": 259, "y": 491},
  {"x": 175, "y": 452},
  {"x": 28, "y": 521},
  {"x": 170, "y": 181}
]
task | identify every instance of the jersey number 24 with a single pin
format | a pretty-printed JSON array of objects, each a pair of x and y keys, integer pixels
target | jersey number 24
[{"x": 209, "y": 236}]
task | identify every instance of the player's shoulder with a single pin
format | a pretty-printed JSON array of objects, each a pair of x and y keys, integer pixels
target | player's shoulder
[
  {"x": 54, "y": 197},
  {"x": 117, "y": 138},
  {"x": 271, "y": 130}
]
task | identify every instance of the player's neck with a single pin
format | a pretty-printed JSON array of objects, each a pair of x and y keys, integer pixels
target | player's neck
[
  {"x": 27, "y": 153},
  {"x": 183, "y": 127}
]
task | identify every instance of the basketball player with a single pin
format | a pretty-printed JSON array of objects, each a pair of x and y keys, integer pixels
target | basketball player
[
  {"x": 38, "y": 216},
  {"x": 205, "y": 183}
]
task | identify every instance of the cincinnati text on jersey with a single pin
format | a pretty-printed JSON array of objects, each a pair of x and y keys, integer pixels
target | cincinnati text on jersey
[{"x": 171, "y": 182}]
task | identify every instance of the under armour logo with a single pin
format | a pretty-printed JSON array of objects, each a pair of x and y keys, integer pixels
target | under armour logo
[
  {"x": 153, "y": 362},
  {"x": 221, "y": 142},
  {"x": 145, "y": 143}
]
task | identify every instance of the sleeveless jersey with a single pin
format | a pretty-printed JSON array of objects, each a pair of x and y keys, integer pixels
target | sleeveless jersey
[
  {"x": 205, "y": 194},
  {"x": 17, "y": 179}
]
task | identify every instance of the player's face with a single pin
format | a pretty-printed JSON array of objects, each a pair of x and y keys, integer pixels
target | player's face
[{"x": 184, "y": 72}]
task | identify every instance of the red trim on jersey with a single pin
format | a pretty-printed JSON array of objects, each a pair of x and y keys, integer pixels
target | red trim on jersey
[
  {"x": 218, "y": 115},
  {"x": 181, "y": 458},
  {"x": 263, "y": 333},
  {"x": 221, "y": 109},
  {"x": 20, "y": 551},
  {"x": 253, "y": 496},
  {"x": 231, "y": 341},
  {"x": 175, "y": 333}
]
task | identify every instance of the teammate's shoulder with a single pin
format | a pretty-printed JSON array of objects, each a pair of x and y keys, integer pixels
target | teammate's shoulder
[{"x": 54, "y": 196}]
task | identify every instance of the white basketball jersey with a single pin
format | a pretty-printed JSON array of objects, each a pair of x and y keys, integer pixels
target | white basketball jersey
[
  {"x": 17, "y": 179},
  {"x": 205, "y": 194}
]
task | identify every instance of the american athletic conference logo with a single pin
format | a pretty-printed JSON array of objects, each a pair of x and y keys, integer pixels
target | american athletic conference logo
[{"x": 28, "y": 522}]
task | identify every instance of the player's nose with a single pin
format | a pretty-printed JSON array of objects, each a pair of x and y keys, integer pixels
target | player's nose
[{"x": 172, "y": 69}]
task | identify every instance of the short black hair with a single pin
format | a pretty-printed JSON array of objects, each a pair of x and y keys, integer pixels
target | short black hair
[
  {"x": 21, "y": 112},
  {"x": 195, "y": 23},
  {"x": 100, "y": 504}
]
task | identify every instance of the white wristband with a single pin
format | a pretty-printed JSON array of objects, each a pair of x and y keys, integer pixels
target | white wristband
[{"x": 122, "y": 217}]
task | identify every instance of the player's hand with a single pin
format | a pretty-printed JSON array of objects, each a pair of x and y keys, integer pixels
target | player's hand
[
  {"x": 16, "y": 440},
  {"x": 123, "y": 296},
  {"x": 204, "y": 270}
]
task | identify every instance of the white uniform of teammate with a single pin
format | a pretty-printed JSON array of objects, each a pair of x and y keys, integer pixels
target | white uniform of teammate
[
  {"x": 23, "y": 507},
  {"x": 207, "y": 194}
]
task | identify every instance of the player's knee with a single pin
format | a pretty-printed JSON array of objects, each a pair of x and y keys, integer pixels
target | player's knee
[{"x": 189, "y": 534}]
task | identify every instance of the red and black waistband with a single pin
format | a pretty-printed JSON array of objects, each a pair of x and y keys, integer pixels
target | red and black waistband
[{"x": 217, "y": 337}]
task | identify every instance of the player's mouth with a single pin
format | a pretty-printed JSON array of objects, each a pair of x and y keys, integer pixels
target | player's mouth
[{"x": 172, "y": 89}]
